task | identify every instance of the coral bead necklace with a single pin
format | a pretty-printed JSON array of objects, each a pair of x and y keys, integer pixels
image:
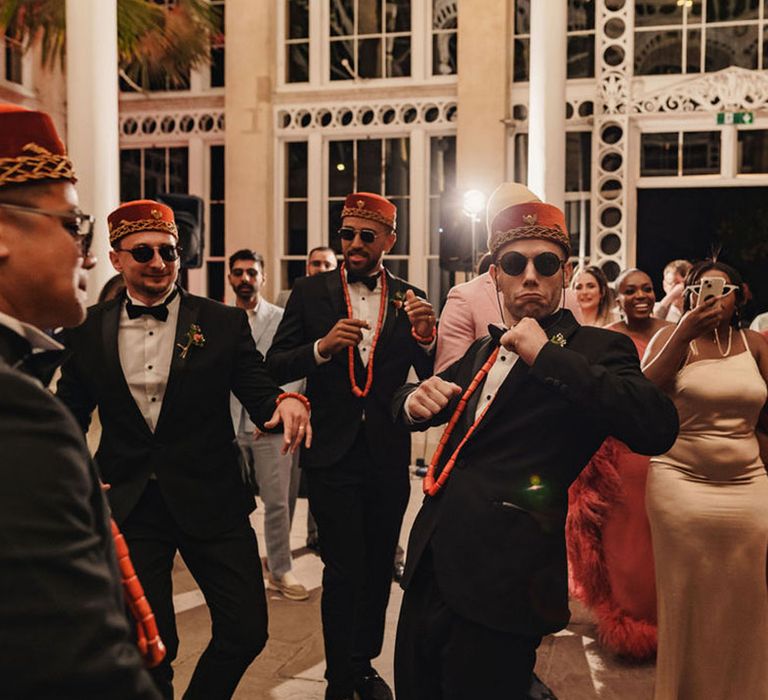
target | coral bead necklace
[{"x": 356, "y": 390}]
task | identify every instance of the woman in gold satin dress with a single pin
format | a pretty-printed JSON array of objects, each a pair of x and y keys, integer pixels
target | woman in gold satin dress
[{"x": 707, "y": 501}]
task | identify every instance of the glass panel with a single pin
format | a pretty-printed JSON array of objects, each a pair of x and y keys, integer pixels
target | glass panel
[
  {"x": 291, "y": 271},
  {"x": 444, "y": 53},
  {"x": 693, "y": 52},
  {"x": 523, "y": 17},
  {"x": 341, "y": 51},
  {"x": 178, "y": 170},
  {"x": 217, "y": 172},
  {"x": 581, "y": 56},
  {"x": 522, "y": 54},
  {"x": 399, "y": 268},
  {"x": 130, "y": 174},
  {"x": 297, "y": 62},
  {"x": 369, "y": 164},
  {"x": 398, "y": 15},
  {"x": 577, "y": 221},
  {"x": 13, "y": 60},
  {"x": 217, "y": 229},
  {"x": 578, "y": 161},
  {"x": 765, "y": 41},
  {"x": 701, "y": 152},
  {"x": 154, "y": 172},
  {"x": 731, "y": 46},
  {"x": 658, "y": 53},
  {"x": 215, "y": 274},
  {"x": 217, "y": 67},
  {"x": 340, "y": 169},
  {"x": 403, "y": 244},
  {"x": 342, "y": 18},
  {"x": 658, "y": 154},
  {"x": 298, "y": 19},
  {"x": 398, "y": 57},
  {"x": 334, "y": 222},
  {"x": 581, "y": 15},
  {"x": 652, "y": 13},
  {"x": 369, "y": 17},
  {"x": 693, "y": 13},
  {"x": 731, "y": 11},
  {"x": 521, "y": 158},
  {"x": 369, "y": 58},
  {"x": 297, "y": 169},
  {"x": 442, "y": 163},
  {"x": 396, "y": 157},
  {"x": 438, "y": 284},
  {"x": 217, "y": 46},
  {"x": 753, "y": 151},
  {"x": 296, "y": 228}
]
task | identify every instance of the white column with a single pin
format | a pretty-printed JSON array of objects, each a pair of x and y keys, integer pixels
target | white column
[
  {"x": 92, "y": 119},
  {"x": 546, "y": 112}
]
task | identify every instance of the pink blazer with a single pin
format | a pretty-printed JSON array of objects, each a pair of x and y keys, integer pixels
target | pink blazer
[{"x": 468, "y": 310}]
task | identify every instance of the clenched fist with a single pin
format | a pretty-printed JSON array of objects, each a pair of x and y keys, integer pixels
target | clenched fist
[
  {"x": 420, "y": 314},
  {"x": 345, "y": 334},
  {"x": 526, "y": 338},
  {"x": 431, "y": 397}
]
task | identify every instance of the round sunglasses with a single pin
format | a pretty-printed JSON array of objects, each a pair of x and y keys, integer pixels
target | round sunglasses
[
  {"x": 143, "y": 253},
  {"x": 546, "y": 264}
]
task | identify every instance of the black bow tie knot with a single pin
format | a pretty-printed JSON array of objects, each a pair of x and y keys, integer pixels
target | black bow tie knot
[
  {"x": 160, "y": 312},
  {"x": 369, "y": 282}
]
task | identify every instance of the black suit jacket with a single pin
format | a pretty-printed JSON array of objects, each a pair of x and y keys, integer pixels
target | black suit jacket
[
  {"x": 315, "y": 305},
  {"x": 192, "y": 450},
  {"x": 63, "y": 632},
  {"x": 496, "y": 530}
]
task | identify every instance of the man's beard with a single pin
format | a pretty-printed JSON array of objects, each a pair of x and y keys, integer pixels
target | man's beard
[
  {"x": 367, "y": 267},
  {"x": 245, "y": 292}
]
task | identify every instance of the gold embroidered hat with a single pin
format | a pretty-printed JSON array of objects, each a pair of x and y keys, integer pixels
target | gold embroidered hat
[
  {"x": 140, "y": 215},
  {"x": 514, "y": 213},
  {"x": 30, "y": 148},
  {"x": 371, "y": 206}
]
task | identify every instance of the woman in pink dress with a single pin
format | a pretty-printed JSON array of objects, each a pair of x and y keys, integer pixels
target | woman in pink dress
[{"x": 609, "y": 540}]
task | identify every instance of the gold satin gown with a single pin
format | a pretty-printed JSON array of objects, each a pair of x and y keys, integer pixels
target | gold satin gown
[{"x": 707, "y": 502}]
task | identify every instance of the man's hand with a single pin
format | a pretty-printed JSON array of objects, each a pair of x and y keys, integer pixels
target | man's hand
[
  {"x": 420, "y": 314},
  {"x": 526, "y": 338},
  {"x": 294, "y": 416},
  {"x": 257, "y": 434},
  {"x": 431, "y": 397},
  {"x": 345, "y": 334},
  {"x": 701, "y": 319}
]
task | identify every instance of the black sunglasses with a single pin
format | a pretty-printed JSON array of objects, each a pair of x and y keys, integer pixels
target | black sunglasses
[
  {"x": 546, "y": 264},
  {"x": 144, "y": 253},
  {"x": 76, "y": 224},
  {"x": 348, "y": 233}
]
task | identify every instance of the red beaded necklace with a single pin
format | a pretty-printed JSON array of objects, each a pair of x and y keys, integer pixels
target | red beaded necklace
[
  {"x": 356, "y": 390},
  {"x": 430, "y": 485}
]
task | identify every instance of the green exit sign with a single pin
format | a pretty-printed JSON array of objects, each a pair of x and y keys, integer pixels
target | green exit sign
[{"x": 735, "y": 117}]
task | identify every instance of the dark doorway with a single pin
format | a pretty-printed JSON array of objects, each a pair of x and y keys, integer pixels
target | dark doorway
[{"x": 695, "y": 223}]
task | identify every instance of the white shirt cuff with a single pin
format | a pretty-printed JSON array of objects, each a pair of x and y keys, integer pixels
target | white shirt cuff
[
  {"x": 319, "y": 359},
  {"x": 409, "y": 419}
]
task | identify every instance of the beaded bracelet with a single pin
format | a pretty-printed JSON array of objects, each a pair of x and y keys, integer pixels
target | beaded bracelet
[
  {"x": 424, "y": 340},
  {"x": 294, "y": 395}
]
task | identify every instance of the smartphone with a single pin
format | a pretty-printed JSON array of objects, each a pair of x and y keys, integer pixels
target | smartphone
[{"x": 710, "y": 287}]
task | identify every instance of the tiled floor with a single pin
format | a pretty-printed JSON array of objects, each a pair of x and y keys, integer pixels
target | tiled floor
[{"x": 291, "y": 667}]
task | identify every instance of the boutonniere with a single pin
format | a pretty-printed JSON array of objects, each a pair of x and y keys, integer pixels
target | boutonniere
[
  {"x": 558, "y": 339},
  {"x": 398, "y": 300},
  {"x": 195, "y": 338}
]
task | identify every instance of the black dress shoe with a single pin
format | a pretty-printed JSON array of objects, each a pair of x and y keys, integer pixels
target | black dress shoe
[
  {"x": 373, "y": 687},
  {"x": 539, "y": 691}
]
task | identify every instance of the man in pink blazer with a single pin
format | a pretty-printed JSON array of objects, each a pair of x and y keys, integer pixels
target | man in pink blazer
[{"x": 471, "y": 306}]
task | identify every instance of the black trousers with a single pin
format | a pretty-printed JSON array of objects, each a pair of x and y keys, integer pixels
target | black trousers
[
  {"x": 440, "y": 655},
  {"x": 359, "y": 510},
  {"x": 228, "y": 570}
]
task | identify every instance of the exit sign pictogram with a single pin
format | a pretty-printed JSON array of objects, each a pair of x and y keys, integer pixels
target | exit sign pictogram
[{"x": 735, "y": 117}]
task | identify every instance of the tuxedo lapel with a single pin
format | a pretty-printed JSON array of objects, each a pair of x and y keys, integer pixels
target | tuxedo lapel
[
  {"x": 115, "y": 376},
  {"x": 469, "y": 413},
  {"x": 394, "y": 287},
  {"x": 187, "y": 316}
]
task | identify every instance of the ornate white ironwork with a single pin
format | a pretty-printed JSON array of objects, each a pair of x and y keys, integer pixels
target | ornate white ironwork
[
  {"x": 380, "y": 114},
  {"x": 730, "y": 89},
  {"x": 172, "y": 125}
]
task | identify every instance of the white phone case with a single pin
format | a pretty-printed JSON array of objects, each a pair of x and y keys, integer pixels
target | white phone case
[{"x": 710, "y": 287}]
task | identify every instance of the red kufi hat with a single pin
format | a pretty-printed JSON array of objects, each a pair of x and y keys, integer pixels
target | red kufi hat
[
  {"x": 30, "y": 148},
  {"x": 141, "y": 215},
  {"x": 370, "y": 206}
]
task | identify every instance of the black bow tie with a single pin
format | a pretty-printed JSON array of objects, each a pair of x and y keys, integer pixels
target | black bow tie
[
  {"x": 496, "y": 331},
  {"x": 369, "y": 282},
  {"x": 160, "y": 312},
  {"x": 42, "y": 365}
]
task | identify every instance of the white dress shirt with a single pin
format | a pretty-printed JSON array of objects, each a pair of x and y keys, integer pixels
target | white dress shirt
[{"x": 146, "y": 347}]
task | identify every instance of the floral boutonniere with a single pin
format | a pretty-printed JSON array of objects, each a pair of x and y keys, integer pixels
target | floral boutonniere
[
  {"x": 398, "y": 300},
  {"x": 194, "y": 337},
  {"x": 558, "y": 339}
]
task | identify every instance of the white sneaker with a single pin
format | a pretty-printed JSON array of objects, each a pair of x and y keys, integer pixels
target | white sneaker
[{"x": 288, "y": 585}]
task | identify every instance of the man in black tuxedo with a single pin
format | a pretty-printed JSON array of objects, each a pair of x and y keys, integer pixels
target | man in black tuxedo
[
  {"x": 63, "y": 631},
  {"x": 486, "y": 573},
  {"x": 361, "y": 321},
  {"x": 160, "y": 365}
]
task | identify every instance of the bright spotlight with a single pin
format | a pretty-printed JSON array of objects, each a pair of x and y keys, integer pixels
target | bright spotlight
[{"x": 474, "y": 202}]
